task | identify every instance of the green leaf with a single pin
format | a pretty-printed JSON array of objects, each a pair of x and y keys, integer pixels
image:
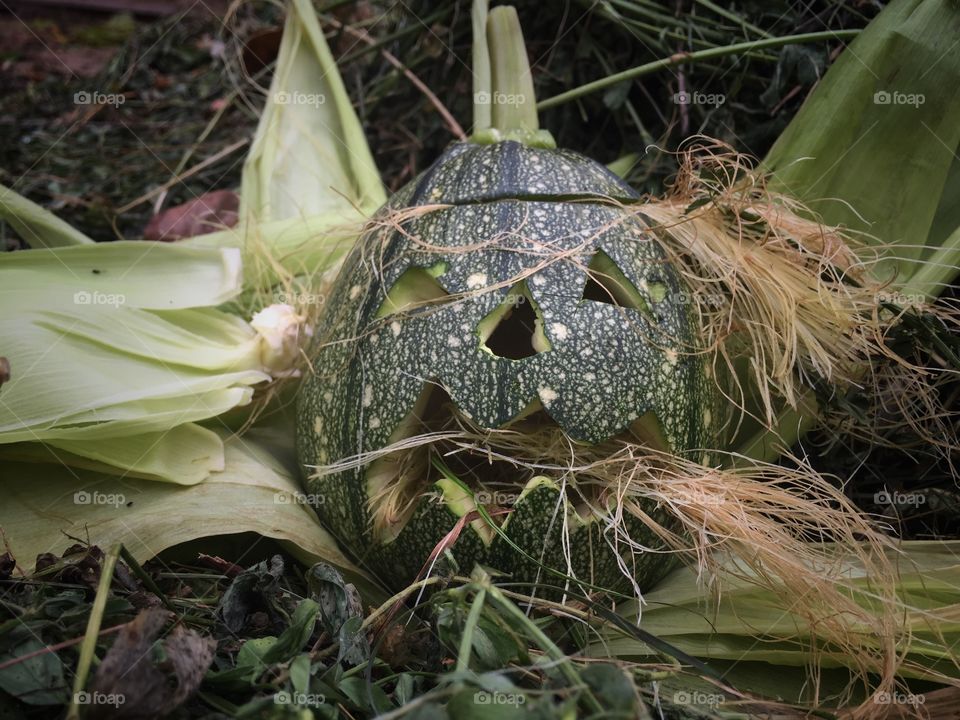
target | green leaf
[
  {"x": 471, "y": 704},
  {"x": 295, "y": 637},
  {"x": 368, "y": 697},
  {"x": 36, "y": 681},
  {"x": 149, "y": 276},
  {"x": 612, "y": 687},
  {"x": 300, "y": 673},
  {"x": 253, "y": 653},
  {"x": 114, "y": 354},
  {"x": 341, "y": 612}
]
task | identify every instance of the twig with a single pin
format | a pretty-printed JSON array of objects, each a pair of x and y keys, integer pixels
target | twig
[
  {"x": 691, "y": 57},
  {"x": 450, "y": 121},
  {"x": 55, "y": 648},
  {"x": 179, "y": 178}
]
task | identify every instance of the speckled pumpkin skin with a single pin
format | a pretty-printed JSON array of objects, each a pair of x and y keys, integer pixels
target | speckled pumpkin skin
[{"x": 607, "y": 365}]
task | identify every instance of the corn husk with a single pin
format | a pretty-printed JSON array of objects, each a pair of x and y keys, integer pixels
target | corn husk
[
  {"x": 116, "y": 352},
  {"x": 874, "y": 148},
  {"x": 47, "y": 505},
  {"x": 309, "y": 155},
  {"x": 739, "y": 621},
  {"x": 36, "y": 226}
]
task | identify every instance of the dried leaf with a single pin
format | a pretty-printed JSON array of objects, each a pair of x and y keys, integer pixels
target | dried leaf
[{"x": 143, "y": 686}]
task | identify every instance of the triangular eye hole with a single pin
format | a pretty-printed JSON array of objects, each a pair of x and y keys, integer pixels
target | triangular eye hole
[
  {"x": 416, "y": 287},
  {"x": 514, "y": 330},
  {"x": 606, "y": 283}
]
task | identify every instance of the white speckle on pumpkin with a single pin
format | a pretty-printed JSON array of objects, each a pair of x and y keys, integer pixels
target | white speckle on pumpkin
[
  {"x": 367, "y": 395},
  {"x": 560, "y": 331},
  {"x": 318, "y": 425},
  {"x": 453, "y": 341},
  {"x": 589, "y": 377},
  {"x": 328, "y": 396},
  {"x": 354, "y": 292},
  {"x": 395, "y": 326},
  {"x": 374, "y": 423},
  {"x": 476, "y": 281},
  {"x": 547, "y": 395},
  {"x": 539, "y": 280},
  {"x": 671, "y": 356}
]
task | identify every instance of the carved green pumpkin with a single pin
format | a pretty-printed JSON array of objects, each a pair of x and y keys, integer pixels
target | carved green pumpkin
[{"x": 506, "y": 282}]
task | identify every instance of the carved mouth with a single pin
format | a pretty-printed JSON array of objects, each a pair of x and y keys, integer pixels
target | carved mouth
[{"x": 496, "y": 465}]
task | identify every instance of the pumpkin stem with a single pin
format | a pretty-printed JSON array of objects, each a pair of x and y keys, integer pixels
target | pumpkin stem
[{"x": 504, "y": 103}]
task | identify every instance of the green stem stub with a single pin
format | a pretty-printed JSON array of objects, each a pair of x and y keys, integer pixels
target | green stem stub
[{"x": 504, "y": 103}]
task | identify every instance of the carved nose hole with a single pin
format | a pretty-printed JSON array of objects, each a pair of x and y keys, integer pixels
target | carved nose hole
[{"x": 514, "y": 329}]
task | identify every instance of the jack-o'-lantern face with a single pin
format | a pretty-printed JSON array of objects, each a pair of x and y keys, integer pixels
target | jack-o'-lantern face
[{"x": 511, "y": 287}]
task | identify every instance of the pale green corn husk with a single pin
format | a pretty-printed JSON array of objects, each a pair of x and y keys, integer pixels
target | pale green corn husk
[
  {"x": 309, "y": 156},
  {"x": 116, "y": 351},
  {"x": 886, "y": 165},
  {"x": 885, "y": 168},
  {"x": 309, "y": 180},
  {"x": 150, "y": 353},
  {"x": 37, "y": 227},
  {"x": 738, "y": 623},
  {"x": 46, "y": 505}
]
